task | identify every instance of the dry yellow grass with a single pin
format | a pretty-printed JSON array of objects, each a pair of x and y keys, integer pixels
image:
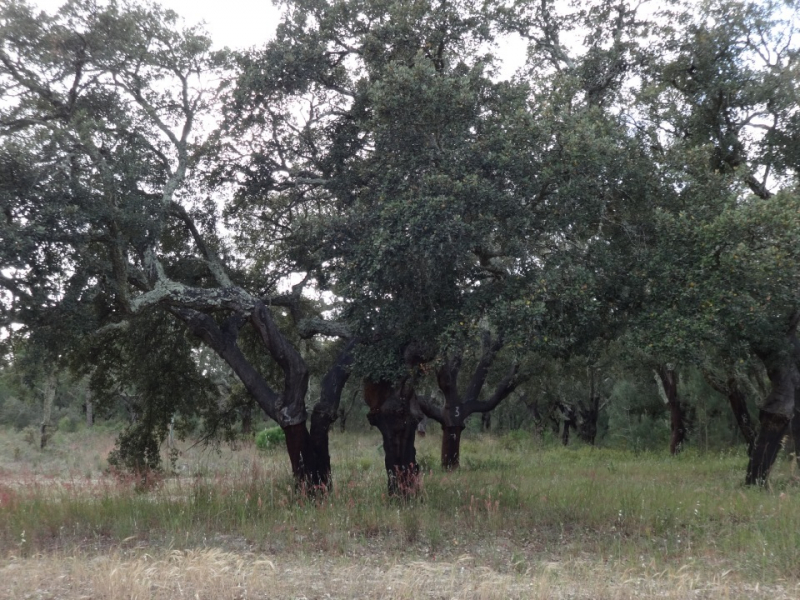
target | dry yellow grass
[{"x": 214, "y": 574}]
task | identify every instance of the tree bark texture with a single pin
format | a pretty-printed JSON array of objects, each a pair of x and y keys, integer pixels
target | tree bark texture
[
  {"x": 738, "y": 402},
  {"x": 795, "y": 427},
  {"x": 677, "y": 417},
  {"x": 778, "y": 407},
  {"x": 451, "y": 447},
  {"x": 768, "y": 443},
  {"x": 325, "y": 412},
  {"x": 744, "y": 421},
  {"x": 392, "y": 411}
]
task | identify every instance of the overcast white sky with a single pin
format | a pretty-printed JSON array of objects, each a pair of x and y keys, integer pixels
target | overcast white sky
[{"x": 233, "y": 23}]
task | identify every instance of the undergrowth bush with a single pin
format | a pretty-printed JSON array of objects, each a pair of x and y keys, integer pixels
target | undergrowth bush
[{"x": 270, "y": 438}]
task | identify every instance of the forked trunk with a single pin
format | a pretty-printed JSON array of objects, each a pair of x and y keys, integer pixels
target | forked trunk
[{"x": 311, "y": 469}]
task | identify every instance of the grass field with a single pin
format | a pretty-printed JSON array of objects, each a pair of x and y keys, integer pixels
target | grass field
[{"x": 518, "y": 521}]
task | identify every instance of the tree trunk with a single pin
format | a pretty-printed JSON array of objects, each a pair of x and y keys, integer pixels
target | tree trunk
[
  {"x": 768, "y": 444},
  {"x": 391, "y": 411},
  {"x": 247, "y": 420},
  {"x": 795, "y": 427},
  {"x": 738, "y": 403},
  {"x": 325, "y": 412},
  {"x": 89, "y": 410},
  {"x": 774, "y": 416},
  {"x": 677, "y": 419},
  {"x": 49, "y": 395},
  {"x": 587, "y": 420},
  {"x": 311, "y": 470},
  {"x": 589, "y": 414},
  {"x": 451, "y": 446},
  {"x": 486, "y": 422}
]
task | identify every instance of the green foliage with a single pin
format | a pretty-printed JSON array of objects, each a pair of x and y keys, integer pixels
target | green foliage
[
  {"x": 68, "y": 424},
  {"x": 270, "y": 439},
  {"x": 515, "y": 440},
  {"x": 138, "y": 451}
]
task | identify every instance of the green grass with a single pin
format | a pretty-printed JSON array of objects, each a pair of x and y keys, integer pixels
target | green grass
[{"x": 514, "y": 505}]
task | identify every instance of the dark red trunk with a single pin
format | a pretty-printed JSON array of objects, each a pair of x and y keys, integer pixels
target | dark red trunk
[{"x": 451, "y": 446}]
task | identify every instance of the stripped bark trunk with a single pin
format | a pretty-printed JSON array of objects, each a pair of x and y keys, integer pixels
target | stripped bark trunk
[{"x": 393, "y": 410}]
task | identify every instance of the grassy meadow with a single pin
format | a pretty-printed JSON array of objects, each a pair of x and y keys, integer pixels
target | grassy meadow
[{"x": 519, "y": 520}]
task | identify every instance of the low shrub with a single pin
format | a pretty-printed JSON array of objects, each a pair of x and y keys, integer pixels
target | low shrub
[{"x": 270, "y": 438}]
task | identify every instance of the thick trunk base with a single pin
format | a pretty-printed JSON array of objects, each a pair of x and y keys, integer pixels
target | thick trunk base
[
  {"x": 451, "y": 447},
  {"x": 311, "y": 469},
  {"x": 398, "y": 432},
  {"x": 768, "y": 444}
]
